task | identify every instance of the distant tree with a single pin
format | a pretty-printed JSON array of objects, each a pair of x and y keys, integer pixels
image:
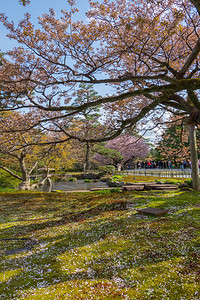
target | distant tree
[
  {"x": 22, "y": 152},
  {"x": 88, "y": 119},
  {"x": 123, "y": 150},
  {"x": 174, "y": 144}
]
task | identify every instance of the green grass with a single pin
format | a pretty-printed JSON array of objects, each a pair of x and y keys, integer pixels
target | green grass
[
  {"x": 90, "y": 246},
  {"x": 132, "y": 178}
]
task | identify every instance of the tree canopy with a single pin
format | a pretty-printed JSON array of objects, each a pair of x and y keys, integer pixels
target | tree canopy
[
  {"x": 146, "y": 52},
  {"x": 122, "y": 150},
  {"x": 174, "y": 143},
  {"x": 21, "y": 153}
]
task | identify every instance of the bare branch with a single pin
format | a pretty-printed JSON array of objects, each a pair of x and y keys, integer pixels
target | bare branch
[
  {"x": 11, "y": 173},
  {"x": 189, "y": 60}
]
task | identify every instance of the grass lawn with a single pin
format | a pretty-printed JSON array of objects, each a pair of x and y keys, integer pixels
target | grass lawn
[
  {"x": 95, "y": 246},
  {"x": 131, "y": 178}
]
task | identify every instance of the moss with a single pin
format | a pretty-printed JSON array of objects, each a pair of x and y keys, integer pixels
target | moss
[{"x": 90, "y": 246}]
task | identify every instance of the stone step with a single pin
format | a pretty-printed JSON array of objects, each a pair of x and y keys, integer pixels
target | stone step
[
  {"x": 166, "y": 188},
  {"x": 133, "y": 187},
  {"x": 161, "y": 187},
  {"x": 137, "y": 183}
]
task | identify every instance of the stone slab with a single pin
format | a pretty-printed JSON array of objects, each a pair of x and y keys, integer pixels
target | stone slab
[
  {"x": 137, "y": 183},
  {"x": 29, "y": 244},
  {"x": 133, "y": 187},
  {"x": 161, "y": 187},
  {"x": 17, "y": 250},
  {"x": 166, "y": 188},
  {"x": 152, "y": 211}
]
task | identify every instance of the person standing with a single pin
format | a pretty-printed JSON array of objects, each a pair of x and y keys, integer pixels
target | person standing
[
  {"x": 184, "y": 164},
  {"x": 169, "y": 164},
  {"x": 181, "y": 166}
]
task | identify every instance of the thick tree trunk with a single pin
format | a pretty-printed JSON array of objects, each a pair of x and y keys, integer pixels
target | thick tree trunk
[
  {"x": 26, "y": 182},
  {"x": 194, "y": 157},
  {"x": 119, "y": 167},
  {"x": 46, "y": 178},
  {"x": 87, "y": 157},
  {"x": 25, "y": 185},
  {"x": 49, "y": 184}
]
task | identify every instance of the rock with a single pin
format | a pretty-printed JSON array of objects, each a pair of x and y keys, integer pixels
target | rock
[{"x": 152, "y": 211}]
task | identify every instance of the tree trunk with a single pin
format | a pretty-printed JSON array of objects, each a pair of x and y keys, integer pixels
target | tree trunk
[
  {"x": 194, "y": 157},
  {"x": 26, "y": 182},
  {"x": 46, "y": 178},
  {"x": 87, "y": 157},
  {"x": 49, "y": 184},
  {"x": 119, "y": 167}
]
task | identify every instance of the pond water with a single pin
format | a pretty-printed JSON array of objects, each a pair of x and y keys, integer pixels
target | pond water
[{"x": 76, "y": 185}]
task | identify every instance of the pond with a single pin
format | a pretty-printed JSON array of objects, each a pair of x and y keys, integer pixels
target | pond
[{"x": 64, "y": 185}]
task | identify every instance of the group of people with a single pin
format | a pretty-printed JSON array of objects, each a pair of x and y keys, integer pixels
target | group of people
[{"x": 160, "y": 165}]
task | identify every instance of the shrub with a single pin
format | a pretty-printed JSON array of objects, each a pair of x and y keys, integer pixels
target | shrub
[
  {"x": 188, "y": 182},
  {"x": 109, "y": 169},
  {"x": 8, "y": 181},
  {"x": 72, "y": 179},
  {"x": 116, "y": 178},
  {"x": 87, "y": 180}
]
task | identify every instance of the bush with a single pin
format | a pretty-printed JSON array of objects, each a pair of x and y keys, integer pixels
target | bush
[
  {"x": 116, "y": 178},
  {"x": 8, "y": 181},
  {"x": 72, "y": 179},
  {"x": 87, "y": 180},
  {"x": 189, "y": 182},
  {"x": 109, "y": 169}
]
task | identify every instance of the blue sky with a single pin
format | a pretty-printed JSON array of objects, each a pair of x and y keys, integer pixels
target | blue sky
[
  {"x": 15, "y": 12},
  {"x": 36, "y": 8}
]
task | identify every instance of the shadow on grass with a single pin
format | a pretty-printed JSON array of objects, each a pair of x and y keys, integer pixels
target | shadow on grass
[{"x": 98, "y": 251}]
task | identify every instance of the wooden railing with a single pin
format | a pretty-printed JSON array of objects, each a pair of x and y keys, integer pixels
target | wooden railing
[{"x": 159, "y": 173}]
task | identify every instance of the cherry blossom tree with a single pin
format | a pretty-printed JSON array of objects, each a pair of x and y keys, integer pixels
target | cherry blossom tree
[
  {"x": 146, "y": 51},
  {"x": 126, "y": 149}
]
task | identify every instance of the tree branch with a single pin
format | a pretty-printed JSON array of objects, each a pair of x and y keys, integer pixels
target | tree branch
[
  {"x": 196, "y": 3},
  {"x": 189, "y": 60},
  {"x": 11, "y": 173}
]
